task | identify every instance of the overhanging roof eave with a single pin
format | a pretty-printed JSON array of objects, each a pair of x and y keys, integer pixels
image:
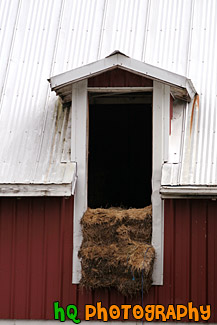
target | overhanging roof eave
[{"x": 119, "y": 60}]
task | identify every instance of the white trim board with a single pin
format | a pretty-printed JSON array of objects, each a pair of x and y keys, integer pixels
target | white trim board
[
  {"x": 24, "y": 190},
  {"x": 79, "y": 149},
  {"x": 120, "y": 89},
  {"x": 191, "y": 191},
  {"x": 161, "y": 95},
  {"x": 161, "y": 101}
]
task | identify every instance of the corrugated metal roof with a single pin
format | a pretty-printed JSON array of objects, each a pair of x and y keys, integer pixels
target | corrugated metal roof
[{"x": 43, "y": 38}]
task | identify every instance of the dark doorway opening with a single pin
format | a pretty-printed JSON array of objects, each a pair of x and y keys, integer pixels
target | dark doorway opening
[{"x": 120, "y": 151}]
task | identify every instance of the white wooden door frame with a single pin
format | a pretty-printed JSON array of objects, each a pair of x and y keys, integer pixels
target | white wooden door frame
[{"x": 79, "y": 149}]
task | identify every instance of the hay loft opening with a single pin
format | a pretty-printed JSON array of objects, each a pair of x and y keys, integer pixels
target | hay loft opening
[
  {"x": 120, "y": 150},
  {"x": 73, "y": 86}
]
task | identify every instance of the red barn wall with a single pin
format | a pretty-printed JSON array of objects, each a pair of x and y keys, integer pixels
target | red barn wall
[
  {"x": 119, "y": 78},
  {"x": 36, "y": 258}
]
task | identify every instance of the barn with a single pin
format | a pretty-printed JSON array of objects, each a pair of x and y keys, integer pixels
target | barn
[{"x": 106, "y": 102}]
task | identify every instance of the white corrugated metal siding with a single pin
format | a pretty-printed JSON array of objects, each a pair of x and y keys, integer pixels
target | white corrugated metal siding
[{"x": 42, "y": 38}]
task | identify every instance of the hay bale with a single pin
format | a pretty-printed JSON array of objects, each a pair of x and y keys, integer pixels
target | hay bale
[
  {"x": 116, "y": 250},
  {"x": 114, "y": 225}
]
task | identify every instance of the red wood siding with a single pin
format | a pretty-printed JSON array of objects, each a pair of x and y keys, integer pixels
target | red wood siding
[
  {"x": 119, "y": 78},
  {"x": 36, "y": 258}
]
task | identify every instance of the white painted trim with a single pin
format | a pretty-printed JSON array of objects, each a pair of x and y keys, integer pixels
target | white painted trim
[
  {"x": 74, "y": 184},
  {"x": 79, "y": 155},
  {"x": 161, "y": 102},
  {"x": 190, "y": 88},
  {"x": 166, "y": 121},
  {"x": 23, "y": 190},
  {"x": 188, "y": 191},
  {"x": 126, "y": 63},
  {"x": 161, "y": 95},
  {"x": 120, "y": 89}
]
